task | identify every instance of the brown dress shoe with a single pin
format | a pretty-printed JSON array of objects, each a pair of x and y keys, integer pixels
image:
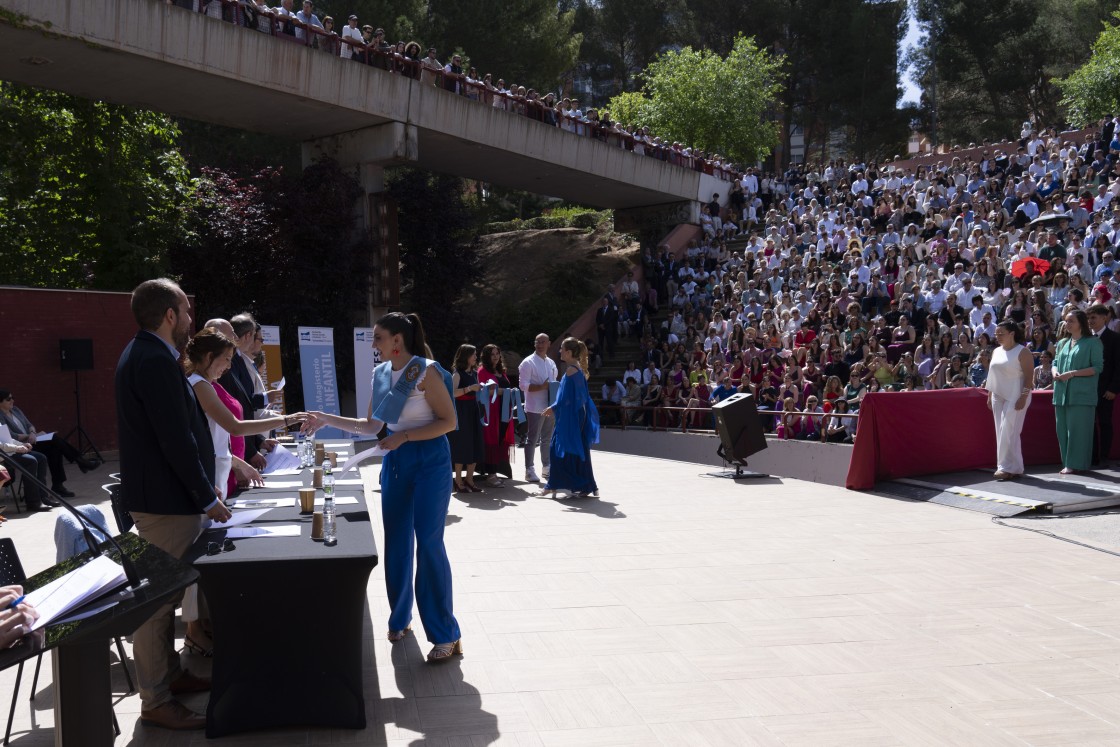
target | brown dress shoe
[
  {"x": 173, "y": 715},
  {"x": 189, "y": 683}
]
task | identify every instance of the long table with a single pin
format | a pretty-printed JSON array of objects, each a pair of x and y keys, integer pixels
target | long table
[{"x": 288, "y": 615}]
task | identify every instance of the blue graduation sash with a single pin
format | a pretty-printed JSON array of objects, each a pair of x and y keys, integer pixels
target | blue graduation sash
[
  {"x": 388, "y": 399},
  {"x": 513, "y": 405}
]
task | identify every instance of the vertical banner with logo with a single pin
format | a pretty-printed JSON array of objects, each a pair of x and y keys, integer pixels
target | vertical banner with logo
[
  {"x": 366, "y": 358},
  {"x": 320, "y": 379},
  {"x": 273, "y": 370}
]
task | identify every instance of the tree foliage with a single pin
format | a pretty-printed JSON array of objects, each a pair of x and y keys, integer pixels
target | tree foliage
[
  {"x": 91, "y": 194},
  {"x": 990, "y": 65},
  {"x": 718, "y": 104},
  {"x": 438, "y": 252},
  {"x": 1093, "y": 90},
  {"x": 286, "y": 248}
]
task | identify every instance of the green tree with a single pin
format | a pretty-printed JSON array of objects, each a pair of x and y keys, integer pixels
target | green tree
[
  {"x": 285, "y": 248},
  {"x": 1093, "y": 90},
  {"x": 402, "y": 19},
  {"x": 618, "y": 42},
  {"x": 438, "y": 252},
  {"x": 529, "y": 42},
  {"x": 988, "y": 66},
  {"x": 91, "y": 194},
  {"x": 718, "y": 104}
]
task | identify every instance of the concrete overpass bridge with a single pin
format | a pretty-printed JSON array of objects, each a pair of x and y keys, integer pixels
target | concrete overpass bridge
[{"x": 148, "y": 54}]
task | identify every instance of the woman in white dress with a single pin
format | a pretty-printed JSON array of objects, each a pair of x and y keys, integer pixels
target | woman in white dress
[{"x": 1010, "y": 378}]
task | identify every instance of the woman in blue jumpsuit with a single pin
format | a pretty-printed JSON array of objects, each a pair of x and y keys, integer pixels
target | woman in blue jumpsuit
[{"x": 411, "y": 395}]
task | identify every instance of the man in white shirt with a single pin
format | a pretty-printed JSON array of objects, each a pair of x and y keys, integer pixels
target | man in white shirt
[
  {"x": 352, "y": 32},
  {"x": 648, "y": 373},
  {"x": 533, "y": 377},
  {"x": 935, "y": 298},
  {"x": 978, "y": 311}
]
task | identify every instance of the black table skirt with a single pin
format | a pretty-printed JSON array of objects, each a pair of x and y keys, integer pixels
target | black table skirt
[{"x": 288, "y": 616}]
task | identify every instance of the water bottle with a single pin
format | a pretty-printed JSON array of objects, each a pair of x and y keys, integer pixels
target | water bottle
[
  {"x": 301, "y": 452},
  {"x": 329, "y": 537}
]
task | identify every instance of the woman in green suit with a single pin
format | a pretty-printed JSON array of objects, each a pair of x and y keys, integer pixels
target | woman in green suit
[{"x": 1077, "y": 365}]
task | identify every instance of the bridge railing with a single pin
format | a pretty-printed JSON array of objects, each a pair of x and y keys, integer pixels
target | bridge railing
[{"x": 291, "y": 29}]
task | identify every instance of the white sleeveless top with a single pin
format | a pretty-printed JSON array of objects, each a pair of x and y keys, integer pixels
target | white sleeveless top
[
  {"x": 1005, "y": 374},
  {"x": 223, "y": 457},
  {"x": 416, "y": 412}
]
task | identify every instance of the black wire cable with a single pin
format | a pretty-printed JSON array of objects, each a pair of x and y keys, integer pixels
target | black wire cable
[{"x": 1043, "y": 532}]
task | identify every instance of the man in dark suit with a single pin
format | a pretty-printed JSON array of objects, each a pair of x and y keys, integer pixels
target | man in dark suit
[
  {"x": 1108, "y": 383},
  {"x": 167, "y": 480},
  {"x": 244, "y": 383}
]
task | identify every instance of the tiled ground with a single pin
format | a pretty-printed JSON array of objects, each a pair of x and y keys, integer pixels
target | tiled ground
[{"x": 681, "y": 609}]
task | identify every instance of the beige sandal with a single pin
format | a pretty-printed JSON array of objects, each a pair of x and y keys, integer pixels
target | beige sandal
[
  {"x": 444, "y": 651},
  {"x": 396, "y": 636}
]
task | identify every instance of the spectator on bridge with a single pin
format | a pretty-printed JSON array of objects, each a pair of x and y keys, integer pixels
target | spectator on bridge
[
  {"x": 432, "y": 68},
  {"x": 350, "y": 49},
  {"x": 307, "y": 19}
]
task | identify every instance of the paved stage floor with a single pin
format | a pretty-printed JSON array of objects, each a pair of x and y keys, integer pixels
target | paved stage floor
[{"x": 682, "y": 609}]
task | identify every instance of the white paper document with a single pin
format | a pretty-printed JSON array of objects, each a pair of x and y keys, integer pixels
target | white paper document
[
  {"x": 282, "y": 484},
  {"x": 239, "y": 518},
  {"x": 360, "y": 457},
  {"x": 74, "y": 589},
  {"x": 41, "y": 437},
  {"x": 283, "y": 472},
  {"x": 278, "y": 386},
  {"x": 339, "y": 500},
  {"x": 262, "y": 503},
  {"x": 352, "y": 481},
  {"x": 278, "y": 530},
  {"x": 280, "y": 459},
  {"x": 336, "y": 447}
]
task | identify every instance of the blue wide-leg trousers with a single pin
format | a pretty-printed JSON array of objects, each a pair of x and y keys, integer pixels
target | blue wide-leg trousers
[{"x": 415, "y": 493}]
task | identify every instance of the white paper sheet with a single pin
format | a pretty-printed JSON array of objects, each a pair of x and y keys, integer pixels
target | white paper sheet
[
  {"x": 75, "y": 589},
  {"x": 351, "y": 481},
  {"x": 339, "y": 500},
  {"x": 262, "y": 503},
  {"x": 282, "y": 484},
  {"x": 278, "y": 530},
  {"x": 278, "y": 386},
  {"x": 284, "y": 472},
  {"x": 239, "y": 518},
  {"x": 280, "y": 458},
  {"x": 336, "y": 447},
  {"x": 360, "y": 457},
  {"x": 44, "y": 436}
]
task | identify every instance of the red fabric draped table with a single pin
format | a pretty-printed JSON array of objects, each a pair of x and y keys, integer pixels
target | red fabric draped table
[{"x": 904, "y": 434}]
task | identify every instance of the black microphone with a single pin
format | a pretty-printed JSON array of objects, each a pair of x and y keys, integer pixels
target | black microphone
[{"x": 135, "y": 583}]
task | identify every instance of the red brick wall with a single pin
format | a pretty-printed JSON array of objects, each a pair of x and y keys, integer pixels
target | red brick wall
[{"x": 32, "y": 321}]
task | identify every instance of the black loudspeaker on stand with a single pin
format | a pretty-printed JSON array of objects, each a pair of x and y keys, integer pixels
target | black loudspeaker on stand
[
  {"x": 740, "y": 432},
  {"x": 77, "y": 355}
]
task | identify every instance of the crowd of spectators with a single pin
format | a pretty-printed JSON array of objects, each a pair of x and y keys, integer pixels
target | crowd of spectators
[
  {"x": 811, "y": 288},
  {"x": 366, "y": 44}
]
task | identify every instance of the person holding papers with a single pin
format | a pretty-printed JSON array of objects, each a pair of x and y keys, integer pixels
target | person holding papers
[
  {"x": 412, "y": 396},
  {"x": 167, "y": 481},
  {"x": 16, "y": 616},
  {"x": 53, "y": 448},
  {"x": 209, "y": 355}
]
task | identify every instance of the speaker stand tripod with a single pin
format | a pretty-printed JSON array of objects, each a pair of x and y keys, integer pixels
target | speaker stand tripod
[
  {"x": 740, "y": 473},
  {"x": 85, "y": 443}
]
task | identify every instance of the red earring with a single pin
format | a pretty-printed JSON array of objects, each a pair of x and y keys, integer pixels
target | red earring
[{"x": 396, "y": 351}]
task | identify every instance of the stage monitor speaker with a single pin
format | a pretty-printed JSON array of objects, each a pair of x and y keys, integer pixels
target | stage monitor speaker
[
  {"x": 739, "y": 427},
  {"x": 76, "y": 355}
]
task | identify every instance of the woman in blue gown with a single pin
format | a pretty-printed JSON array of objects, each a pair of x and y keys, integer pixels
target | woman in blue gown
[{"x": 577, "y": 426}]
